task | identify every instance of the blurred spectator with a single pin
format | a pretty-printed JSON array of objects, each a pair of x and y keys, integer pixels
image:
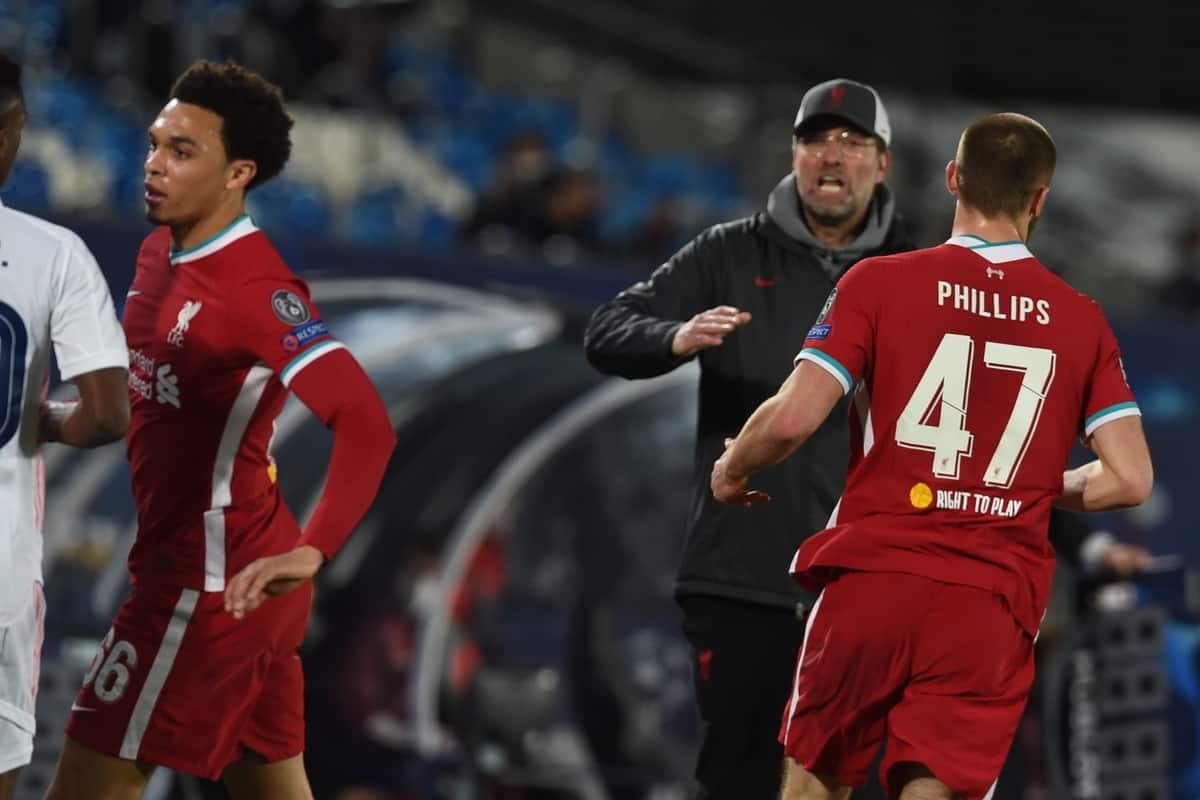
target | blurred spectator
[
  {"x": 523, "y": 165},
  {"x": 659, "y": 235},
  {"x": 291, "y": 58},
  {"x": 572, "y": 202},
  {"x": 534, "y": 203},
  {"x": 355, "y": 39},
  {"x": 510, "y": 207}
]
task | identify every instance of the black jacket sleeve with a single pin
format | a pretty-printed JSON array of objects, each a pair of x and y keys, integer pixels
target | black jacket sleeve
[
  {"x": 631, "y": 335},
  {"x": 1068, "y": 532}
]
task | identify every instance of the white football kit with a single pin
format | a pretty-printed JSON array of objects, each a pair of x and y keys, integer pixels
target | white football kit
[{"x": 52, "y": 294}]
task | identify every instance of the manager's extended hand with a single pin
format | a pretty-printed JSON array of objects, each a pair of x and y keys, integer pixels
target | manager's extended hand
[
  {"x": 707, "y": 329},
  {"x": 728, "y": 490},
  {"x": 270, "y": 576}
]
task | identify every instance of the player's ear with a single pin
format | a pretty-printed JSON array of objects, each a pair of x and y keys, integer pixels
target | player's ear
[
  {"x": 1039, "y": 201},
  {"x": 240, "y": 173},
  {"x": 952, "y": 178}
]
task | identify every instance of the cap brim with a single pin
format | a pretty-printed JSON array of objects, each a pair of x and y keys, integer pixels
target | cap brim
[{"x": 831, "y": 120}]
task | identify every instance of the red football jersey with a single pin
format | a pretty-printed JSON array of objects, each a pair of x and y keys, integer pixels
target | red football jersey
[
  {"x": 216, "y": 333},
  {"x": 976, "y": 369}
]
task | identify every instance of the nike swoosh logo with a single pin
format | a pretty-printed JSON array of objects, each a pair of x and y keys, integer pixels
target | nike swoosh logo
[
  {"x": 77, "y": 707},
  {"x": 132, "y": 293},
  {"x": 759, "y": 280}
]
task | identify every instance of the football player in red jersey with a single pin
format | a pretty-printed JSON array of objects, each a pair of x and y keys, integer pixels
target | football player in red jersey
[
  {"x": 200, "y": 672},
  {"x": 973, "y": 370}
]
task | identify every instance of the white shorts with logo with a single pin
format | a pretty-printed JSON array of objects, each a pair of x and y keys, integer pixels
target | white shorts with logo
[{"x": 20, "y": 661}]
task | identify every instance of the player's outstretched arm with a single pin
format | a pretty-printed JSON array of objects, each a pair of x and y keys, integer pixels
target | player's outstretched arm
[
  {"x": 1121, "y": 476},
  {"x": 337, "y": 390},
  {"x": 774, "y": 431},
  {"x": 100, "y": 416}
]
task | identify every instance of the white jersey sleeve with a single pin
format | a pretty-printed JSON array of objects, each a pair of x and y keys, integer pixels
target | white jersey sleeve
[{"x": 83, "y": 324}]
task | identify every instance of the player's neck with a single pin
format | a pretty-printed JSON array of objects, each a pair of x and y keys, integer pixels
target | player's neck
[
  {"x": 186, "y": 236},
  {"x": 969, "y": 222}
]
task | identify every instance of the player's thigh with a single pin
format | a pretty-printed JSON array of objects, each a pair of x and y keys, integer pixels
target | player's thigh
[
  {"x": 972, "y": 673},
  {"x": 84, "y": 774},
  {"x": 800, "y": 784},
  {"x": 851, "y": 670},
  {"x": 20, "y": 657},
  {"x": 252, "y": 779},
  {"x": 8, "y": 783}
]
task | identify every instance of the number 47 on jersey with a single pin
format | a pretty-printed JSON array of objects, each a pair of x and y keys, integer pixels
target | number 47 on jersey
[{"x": 947, "y": 379}]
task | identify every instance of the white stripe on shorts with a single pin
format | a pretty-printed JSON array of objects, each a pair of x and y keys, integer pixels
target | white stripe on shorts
[
  {"x": 791, "y": 710},
  {"x": 159, "y": 670}
]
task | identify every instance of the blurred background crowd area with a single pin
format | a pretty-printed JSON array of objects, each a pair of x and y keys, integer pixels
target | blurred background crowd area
[{"x": 605, "y": 135}]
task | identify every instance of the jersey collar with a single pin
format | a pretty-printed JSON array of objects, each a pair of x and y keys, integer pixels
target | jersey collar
[
  {"x": 242, "y": 226},
  {"x": 995, "y": 252}
]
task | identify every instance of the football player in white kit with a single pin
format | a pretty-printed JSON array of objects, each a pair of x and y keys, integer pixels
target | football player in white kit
[{"x": 51, "y": 294}]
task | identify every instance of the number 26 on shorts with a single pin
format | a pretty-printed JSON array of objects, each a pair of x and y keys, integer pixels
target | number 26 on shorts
[{"x": 110, "y": 669}]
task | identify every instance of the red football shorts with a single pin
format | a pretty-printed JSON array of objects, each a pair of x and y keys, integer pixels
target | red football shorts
[
  {"x": 944, "y": 670},
  {"x": 180, "y": 683}
]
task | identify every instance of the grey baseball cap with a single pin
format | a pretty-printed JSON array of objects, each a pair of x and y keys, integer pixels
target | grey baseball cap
[{"x": 848, "y": 101}]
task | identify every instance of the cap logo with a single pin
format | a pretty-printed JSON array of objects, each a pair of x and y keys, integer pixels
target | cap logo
[{"x": 835, "y": 96}]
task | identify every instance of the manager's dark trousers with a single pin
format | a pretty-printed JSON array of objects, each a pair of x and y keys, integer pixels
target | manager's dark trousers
[
  {"x": 743, "y": 663},
  {"x": 743, "y": 659}
]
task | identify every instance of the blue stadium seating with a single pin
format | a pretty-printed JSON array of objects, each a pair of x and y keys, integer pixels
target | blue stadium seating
[
  {"x": 27, "y": 187},
  {"x": 290, "y": 205}
]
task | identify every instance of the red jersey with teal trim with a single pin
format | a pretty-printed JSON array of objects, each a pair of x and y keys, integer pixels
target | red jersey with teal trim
[
  {"x": 976, "y": 368},
  {"x": 216, "y": 333}
]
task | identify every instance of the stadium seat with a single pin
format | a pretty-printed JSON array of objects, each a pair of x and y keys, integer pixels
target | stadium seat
[
  {"x": 27, "y": 187},
  {"x": 296, "y": 208},
  {"x": 467, "y": 155},
  {"x": 372, "y": 219}
]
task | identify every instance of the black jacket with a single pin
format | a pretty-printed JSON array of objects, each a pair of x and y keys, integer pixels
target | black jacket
[{"x": 782, "y": 278}]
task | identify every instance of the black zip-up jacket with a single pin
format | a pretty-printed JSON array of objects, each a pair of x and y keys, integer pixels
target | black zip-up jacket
[{"x": 782, "y": 278}]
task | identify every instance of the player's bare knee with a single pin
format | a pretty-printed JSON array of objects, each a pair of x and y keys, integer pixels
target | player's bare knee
[
  {"x": 917, "y": 782},
  {"x": 928, "y": 789},
  {"x": 8, "y": 784},
  {"x": 84, "y": 774},
  {"x": 254, "y": 777},
  {"x": 92, "y": 790},
  {"x": 800, "y": 784}
]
